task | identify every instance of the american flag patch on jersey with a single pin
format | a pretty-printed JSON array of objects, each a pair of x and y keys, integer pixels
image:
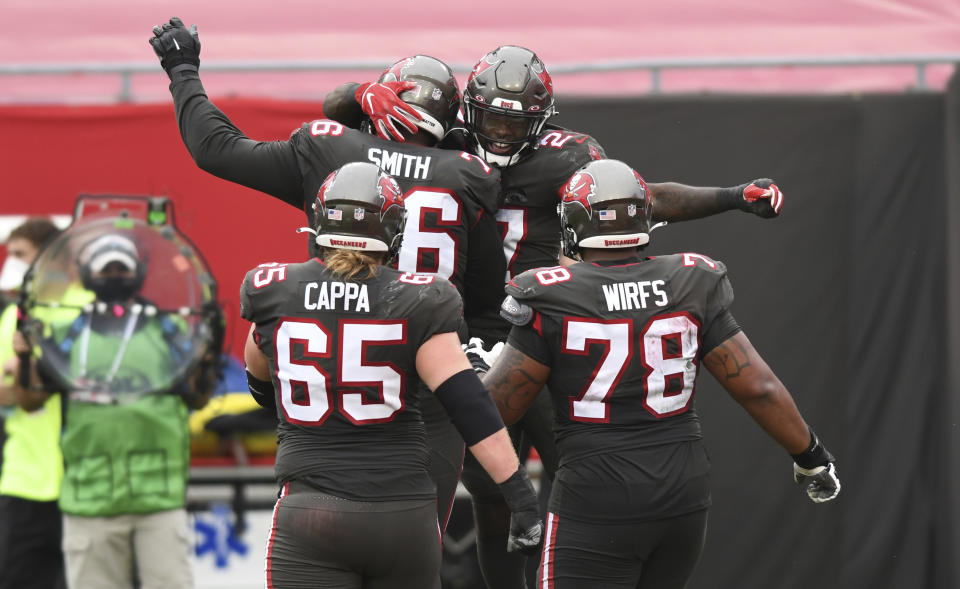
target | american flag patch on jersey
[
  {"x": 335, "y": 214},
  {"x": 608, "y": 215}
]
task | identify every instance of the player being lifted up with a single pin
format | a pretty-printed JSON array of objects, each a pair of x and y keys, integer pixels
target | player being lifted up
[{"x": 618, "y": 339}]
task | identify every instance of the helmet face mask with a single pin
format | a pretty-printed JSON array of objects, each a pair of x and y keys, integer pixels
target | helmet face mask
[
  {"x": 604, "y": 205},
  {"x": 507, "y": 101},
  {"x": 360, "y": 207},
  {"x": 437, "y": 95}
]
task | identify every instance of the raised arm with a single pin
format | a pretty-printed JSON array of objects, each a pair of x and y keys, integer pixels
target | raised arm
[
  {"x": 742, "y": 372},
  {"x": 215, "y": 143},
  {"x": 674, "y": 202}
]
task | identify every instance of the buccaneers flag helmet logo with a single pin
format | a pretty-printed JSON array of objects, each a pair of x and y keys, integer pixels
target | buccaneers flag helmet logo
[
  {"x": 390, "y": 194},
  {"x": 580, "y": 188},
  {"x": 327, "y": 184}
]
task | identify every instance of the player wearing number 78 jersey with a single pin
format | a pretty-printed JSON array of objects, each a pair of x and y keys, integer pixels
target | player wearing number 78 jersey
[{"x": 618, "y": 340}]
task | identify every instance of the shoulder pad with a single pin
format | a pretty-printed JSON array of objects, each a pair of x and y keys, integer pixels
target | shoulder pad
[
  {"x": 516, "y": 312},
  {"x": 695, "y": 260}
]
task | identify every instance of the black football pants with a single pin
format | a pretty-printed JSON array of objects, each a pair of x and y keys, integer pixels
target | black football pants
[
  {"x": 659, "y": 554},
  {"x": 318, "y": 541}
]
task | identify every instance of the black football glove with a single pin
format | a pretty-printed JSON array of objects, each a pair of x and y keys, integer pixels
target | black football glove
[
  {"x": 813, "y": 469},
  {"x": 762, "y": 197},
  {"x": 526, "y": 526},
  {"x": 176, "y": 45},
  {"x": 480, "y": 358},
  {"x": 820, "y": 483}
]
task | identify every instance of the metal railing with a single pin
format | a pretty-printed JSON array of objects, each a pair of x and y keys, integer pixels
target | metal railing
[{"x": 655, "y": 67}]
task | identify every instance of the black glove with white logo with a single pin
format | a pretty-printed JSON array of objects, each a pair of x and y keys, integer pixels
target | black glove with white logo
[
  {"x": 526, "y": 526},
  {"x": 814, "y": 470},
  {"x": 177, "y": 46}
]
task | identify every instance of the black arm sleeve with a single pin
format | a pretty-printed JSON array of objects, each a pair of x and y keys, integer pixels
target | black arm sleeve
[
  {"x": 219, "y": 147},
  {"x": 469, "y": 406},
  {"x": 262, "y": 391},
  {"x": 341, "y": 105}
]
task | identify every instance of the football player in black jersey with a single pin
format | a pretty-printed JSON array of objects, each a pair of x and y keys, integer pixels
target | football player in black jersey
[
  {"x": 338, "y": 346},
  {"x": 619, "y": 339},
  {"x": 451, "y": 196},
  {"x": 508, "y": 101}
]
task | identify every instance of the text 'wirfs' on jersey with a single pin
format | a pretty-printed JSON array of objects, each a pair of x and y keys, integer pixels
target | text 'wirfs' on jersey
[{"x": 627, "y": 296}]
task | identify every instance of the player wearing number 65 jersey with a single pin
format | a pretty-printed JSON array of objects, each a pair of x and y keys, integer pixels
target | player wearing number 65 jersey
[
  {"x": 451, "y": 196},
  {"x": 618, "y": 339},
  {"x": 339, "y": 346}
]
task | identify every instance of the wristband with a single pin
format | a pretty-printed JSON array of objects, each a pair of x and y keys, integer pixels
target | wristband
[
  {"x": 518, "y": 491},
  {"x": 183, "y": 71},
  {"x": 731, "y": 197},
  {"x": 815, "y": 455}
]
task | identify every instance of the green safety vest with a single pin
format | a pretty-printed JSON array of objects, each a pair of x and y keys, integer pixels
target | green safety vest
[{"x": 131, "y": 457}]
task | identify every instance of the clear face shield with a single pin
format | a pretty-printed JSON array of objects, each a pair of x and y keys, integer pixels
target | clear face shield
[{"x": 117, "y": 308}]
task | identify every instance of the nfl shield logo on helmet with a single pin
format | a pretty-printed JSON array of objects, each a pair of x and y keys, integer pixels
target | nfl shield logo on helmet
[
  {"x": 437, "y": 94},
  {"x": 358, "y": 214},
  {"x": 631, "y": 210}
]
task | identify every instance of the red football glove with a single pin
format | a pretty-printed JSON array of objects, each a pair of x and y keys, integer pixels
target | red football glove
[
  {"x": 381, "y": 102},
  {"x": 763, "y": 192}
]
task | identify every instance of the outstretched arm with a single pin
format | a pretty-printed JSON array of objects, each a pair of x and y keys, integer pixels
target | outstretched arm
[{"x": 673, "y": 202}]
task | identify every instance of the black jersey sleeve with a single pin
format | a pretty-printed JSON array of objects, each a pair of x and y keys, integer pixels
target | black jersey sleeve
[
  {"x": 435, "y": 308},
  {"x": 246, "y": 304},
  {"x": 722, "y": 328},
  {"x": 486, "y": 267},
  {"x": 529, "y": 340},
  {"x": 721, "y": 296},
  {"x": 220, "y": 148}
]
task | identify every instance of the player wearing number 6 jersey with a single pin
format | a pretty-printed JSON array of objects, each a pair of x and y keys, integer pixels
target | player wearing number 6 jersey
[
  {"x": 451, "y": 196},
  {"x": 618, "y": 339},
  {"x": 340, "y": 346}
]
